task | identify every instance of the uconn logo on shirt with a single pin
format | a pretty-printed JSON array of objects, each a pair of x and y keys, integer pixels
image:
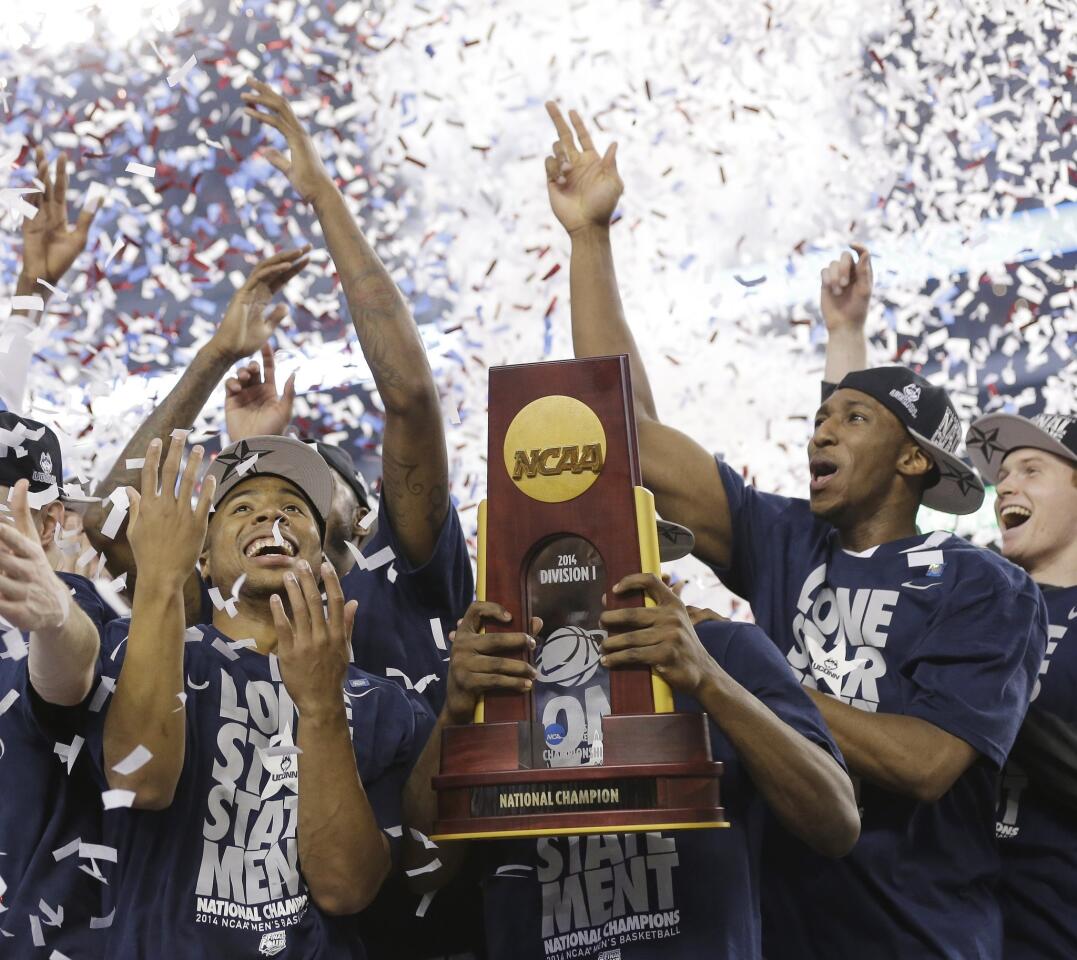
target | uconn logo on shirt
[{"x": 839, "y": 637}]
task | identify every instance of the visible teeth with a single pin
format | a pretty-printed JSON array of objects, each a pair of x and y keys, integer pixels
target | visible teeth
[
  {"x": 263, "y": 543},
  {"x": 1013, "y": 508}
]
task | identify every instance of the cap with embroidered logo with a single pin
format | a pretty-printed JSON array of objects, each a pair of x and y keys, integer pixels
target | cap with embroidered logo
[
  {"x": 993, "y": 437},
  {"x": 926, "y": 412},
  {"x": 29, "y": 451}
]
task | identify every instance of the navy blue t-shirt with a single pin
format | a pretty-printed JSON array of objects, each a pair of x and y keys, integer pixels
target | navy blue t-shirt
[
  {"x": 653, "y": 895},
  {"x": 395, "y": 634},
  {"x": 1038, "y": 838},
  {"x": 50, "y": 818},
  {"x": 217, "y": 873},
  {"x": 929, "y": 627}
]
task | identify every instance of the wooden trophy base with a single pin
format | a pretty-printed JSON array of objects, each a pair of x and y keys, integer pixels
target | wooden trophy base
[{"x": 656, "y": 774}]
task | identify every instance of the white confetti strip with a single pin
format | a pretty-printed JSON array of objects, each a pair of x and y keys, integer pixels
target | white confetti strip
[
  {"x": 438, "y": 633},
  {"x": 7, "y": 700},
  {"x": 135, "y": 760},
  {"x": 140, "y": 169},
  {"x": 178, "y": 76},
  {"x": 66, "y": 850},
  {"x": 430, "y": 867},
  {"x": 114, "y": 799},
  {"x": 27, "y": 303},
  {"x": 424, "y": 903},
  {"x": 103, "y": 923}
]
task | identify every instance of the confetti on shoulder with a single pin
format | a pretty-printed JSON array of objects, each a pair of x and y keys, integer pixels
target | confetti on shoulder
[{"x": 749, "y": 283}]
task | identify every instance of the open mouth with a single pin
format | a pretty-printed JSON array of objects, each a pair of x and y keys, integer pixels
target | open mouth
[
  {"x": 1012, "y": 516},
  {"x": 269, "y": 547},
  {"x": 822, "y": 472}
]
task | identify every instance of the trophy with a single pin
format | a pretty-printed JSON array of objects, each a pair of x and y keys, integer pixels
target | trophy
[{"x": 586, "y": 750}]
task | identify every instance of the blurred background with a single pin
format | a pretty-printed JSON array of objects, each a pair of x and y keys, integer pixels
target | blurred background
[{"x": 755, "y": 141}]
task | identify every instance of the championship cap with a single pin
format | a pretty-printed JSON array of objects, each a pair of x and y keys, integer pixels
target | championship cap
[
  {"x": 275, "y": 456},
  {"x": 992, "y": 438},
  {"x": 29, "y": 451},
  {"x": 927, "y": 413},
  {"x": 674, "y": 541}
]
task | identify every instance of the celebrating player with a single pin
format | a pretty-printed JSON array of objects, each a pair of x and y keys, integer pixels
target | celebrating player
[
  {"x": 51, "y": 627},
  {"x": 1033, "y": 465},
  {"x": 272, "y": 764},
  {"x": 699, "y": 889},
  {"x": 919, "y": 650}
]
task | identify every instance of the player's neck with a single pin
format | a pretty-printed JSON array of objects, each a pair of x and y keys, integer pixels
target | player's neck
[
  {"x": 253, "y": 619},
  {"x": 1058, "y": 569},
  {"x": 880, "y": 526}
]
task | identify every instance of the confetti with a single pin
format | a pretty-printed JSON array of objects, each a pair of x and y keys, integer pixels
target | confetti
[
  {"x": 430, "y": 867},
  {"x": 438, "y": 633},
  {"x": 115, "y": 799},
  {"x": 180, "y": 75},
  {"x": 135, "y": 760},
  {"x": 140, "y": 169}
]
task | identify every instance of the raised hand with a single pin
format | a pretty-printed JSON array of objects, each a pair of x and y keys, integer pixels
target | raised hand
[
  {"x": 313, "y": 648},
  {"x": 32, "y": 597},
  {"x": 481, "y": 662},
  {"x": 50, "y": 243},
  {"x": 166, "y": 530},
  {"x": 252, "y": 406},
  {"x": 661, "y": 637},
  {"x": 302, "y": 166},
  {"x": 845, "y": 290},
  {"x": 246, "y": 325},
  {"x": 584, "y": 187}
]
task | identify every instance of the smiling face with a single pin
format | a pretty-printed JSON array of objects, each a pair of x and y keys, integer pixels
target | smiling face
[
  {"x": 241, "y": 538},
  {"x": 861, "y": 460},
  {"x": 1036, "y": 507}
]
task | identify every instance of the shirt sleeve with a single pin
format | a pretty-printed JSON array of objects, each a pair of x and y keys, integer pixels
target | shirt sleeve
[
  {"x": 752, "y": 659},
  {"x": 445, "y": 581},
  {"x": 404, "y": 726},
  {"x": 765, "y": 526},
  {"x": 972, "y": 674}
]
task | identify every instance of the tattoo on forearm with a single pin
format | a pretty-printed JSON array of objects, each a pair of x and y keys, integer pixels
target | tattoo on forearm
[{"x": 378, "y": 310}]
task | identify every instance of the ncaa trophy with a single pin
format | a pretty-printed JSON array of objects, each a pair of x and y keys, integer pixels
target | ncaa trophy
[{"x": 586, "y": 750}]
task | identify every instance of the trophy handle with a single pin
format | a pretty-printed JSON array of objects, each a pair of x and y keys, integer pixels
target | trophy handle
[
  {"x": 480, "y": 588},
  {"x": 650, "y": 562}
]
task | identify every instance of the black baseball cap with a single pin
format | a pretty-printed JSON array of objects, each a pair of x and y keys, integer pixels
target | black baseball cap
[
  {"x": 927, "y": 413},
  {"x": 29, "y": 451},
  {"x": 340, "y": 460},
  {"x": 992, "y": 438}
]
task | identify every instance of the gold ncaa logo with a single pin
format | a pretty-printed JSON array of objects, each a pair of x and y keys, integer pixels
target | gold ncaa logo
[{"x": 555, "y": 448}]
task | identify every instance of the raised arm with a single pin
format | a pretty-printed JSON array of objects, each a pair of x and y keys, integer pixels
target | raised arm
[
  {"x": 414, "y": 462},
  {"x": 63, "y": 641},
  {"x": 584, "y": 189},
  {"x": 844, "y": 295},
  {"x": 146, "y": 709},
  {"x": 50, "y": 247},
  {"x": 802, "y": 784},
  {"x": 343, "y": 853},
  {"x": 245, "y": 328}
]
